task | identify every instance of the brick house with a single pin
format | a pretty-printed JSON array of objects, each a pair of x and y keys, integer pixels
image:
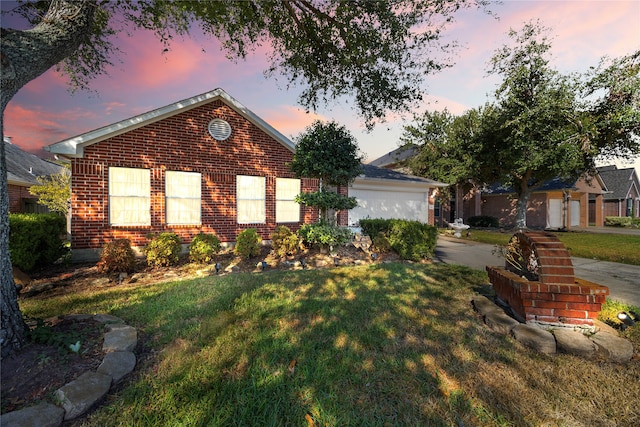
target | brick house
[
  {"x": 22, "y": 170},
  {"x": 623, "y": 197},
  {"x": 203, "y": 164}
]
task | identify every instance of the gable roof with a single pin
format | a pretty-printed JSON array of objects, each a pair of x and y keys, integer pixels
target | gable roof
[
  {"x": 375, "y": 173},
  {"x": 396, "y": 156},
  {"x": 74, "y": 147},
  {"x": 555, "y": 184},
  {"x": 619, "y": 181},
  {"x": 23, "y": 167}
]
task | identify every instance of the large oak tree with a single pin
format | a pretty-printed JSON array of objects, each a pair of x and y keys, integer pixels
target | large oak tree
[{"x": 376, "y": 53}]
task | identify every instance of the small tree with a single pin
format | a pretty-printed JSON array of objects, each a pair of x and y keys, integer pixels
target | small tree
[
  {"x": 328, "y": 152},
  {"x": 54, "y": 191}
]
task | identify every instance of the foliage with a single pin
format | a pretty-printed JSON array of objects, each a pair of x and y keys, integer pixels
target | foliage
[
  {"x": 163, "y": 250},
  {"x": 618, "y": 221},
  {"x": 43, "y": 333},
  {"x": 34, "y": 239},
  {"x": 323, "y": 233},
  {"x": 248, "y": 243},
  {"x": 329, "y": 152},
  {"x": 327, "y": 200},
  {"x": 483, "y": 221},
  {"x": 117, "y": 256},
  {"x": 54, "y": 191},
  {"x": 381, "y": 243},
  {"x": 204, "y": 247},
  {"x": 373, "y": 227},
  {"x": 284, "y": 242},
  {"x": 413, "y": 240},
  {"x": 521, "y": 259}
]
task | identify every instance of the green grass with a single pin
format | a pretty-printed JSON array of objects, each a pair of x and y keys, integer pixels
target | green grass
[
  {"x": 605, "y": 247},
  {"x": 391, "y": 344}
]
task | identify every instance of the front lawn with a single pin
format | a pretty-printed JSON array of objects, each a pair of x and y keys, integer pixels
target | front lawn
[
  {"x": 605, "y": 247},
  {"x": 386, "y": 344}
]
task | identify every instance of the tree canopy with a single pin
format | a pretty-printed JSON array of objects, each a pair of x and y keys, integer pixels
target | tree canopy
[
  {"x": 54, "y": 191},
  {"x": 541, "y": 125}
]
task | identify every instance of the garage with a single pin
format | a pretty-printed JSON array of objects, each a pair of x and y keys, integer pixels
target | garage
[{"x": 383, "y": 193}]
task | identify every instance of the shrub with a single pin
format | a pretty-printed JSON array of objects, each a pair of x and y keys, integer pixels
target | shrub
[
  {"x": 284, "y": 242},
  {"x": 163, "y": 250},
  {"x": 618, "y": 221},
  {"x": 413, "y": 240},
  {"x": 34, "y": 239},
  {"x": 247, "y": 243},
  {"x": 373, "y": 227},
  {"x": 204, "y": 247},
  {"x": 325, "y": 234},
  {"x": 381, "y": 243},
  {"x": 117, "y": 256},
  {"x": 483, "y": 221}
]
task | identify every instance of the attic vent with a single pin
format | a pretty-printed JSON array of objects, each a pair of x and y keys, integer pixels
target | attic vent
[{"x": 219, "y": 129}]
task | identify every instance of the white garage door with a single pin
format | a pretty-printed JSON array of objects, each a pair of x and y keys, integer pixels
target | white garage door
[
  {"x": 554, "y": 220},
  {"x": 388, "y": 205}
]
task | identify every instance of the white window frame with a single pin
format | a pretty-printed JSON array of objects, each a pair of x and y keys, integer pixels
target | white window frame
[
  {"x": 129, "y": 196},
  {"x": 251, "y": 205},
  {"x": 287, "y": 210},
  {"x": 183, "y": 198}
]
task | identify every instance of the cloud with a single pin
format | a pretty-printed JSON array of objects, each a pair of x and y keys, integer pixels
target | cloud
[{"x": 289, "y": 120}]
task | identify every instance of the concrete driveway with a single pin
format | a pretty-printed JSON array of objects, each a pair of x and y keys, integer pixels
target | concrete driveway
[{"x": 622, "y": 280}]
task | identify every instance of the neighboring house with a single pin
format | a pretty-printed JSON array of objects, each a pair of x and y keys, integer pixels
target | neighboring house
[
  {"x": 22, "y": 170},
  {"x": 204, "y": 164},
  {"x": 557, "y": 204},
  {"x": 623, "y": 198}
]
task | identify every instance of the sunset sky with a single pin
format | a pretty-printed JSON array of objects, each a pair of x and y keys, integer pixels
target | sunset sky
[{"x": 44, "y": 112}]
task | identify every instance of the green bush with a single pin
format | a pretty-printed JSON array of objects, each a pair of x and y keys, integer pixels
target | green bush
[
  {"x": 163, "y": 250},
  {"x": 117, "y": 256},
  {"x": 325, "y": 234},
  {"x": 248, "y": 243},
  {"x": 204, "y": 247},
  {"x": 413, "y": 240},
  {"x": 381, "y": 243},
  {"x": 34, "y": 239},
  {"x": 373, "y": 227},
  {"x": 618, "y": 221},
  {"x": 483, "y": 221},
  {"x": 284, "y": 242}
]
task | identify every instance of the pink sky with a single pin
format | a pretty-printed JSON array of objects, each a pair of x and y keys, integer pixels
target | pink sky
[{"x": 43, "y": 112}]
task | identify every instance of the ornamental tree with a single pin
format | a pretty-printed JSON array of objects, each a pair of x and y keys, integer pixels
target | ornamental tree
[
  {"x": 328, "y": 152},
  {"x": 54, "y": 191},
  {"x": 375, "y": 52}
]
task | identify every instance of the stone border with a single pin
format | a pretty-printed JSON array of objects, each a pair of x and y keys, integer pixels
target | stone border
[
  {"x": 604, "y": 344},
  {"x": 78, "y": 396}
]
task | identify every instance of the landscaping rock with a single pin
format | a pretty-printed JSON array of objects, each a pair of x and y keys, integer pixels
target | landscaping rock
[
  {"x": 612, "y": 347},
  {"x": 117, "y": 364},
  {"x": 484, "y": 305},
  {"x": 79, "y": 395},
  {"x": 574, "y": 342},
  {"x": 500, "y": 322},
  {"x": 120, "y": 337},
  {"x": 107, "y": 318},
  {"x": 42, "y": 415},
  {"x": 534, "y": 337}
]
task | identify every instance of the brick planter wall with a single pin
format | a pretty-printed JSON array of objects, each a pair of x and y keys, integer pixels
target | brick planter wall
[{"x": 557, "y": 297}]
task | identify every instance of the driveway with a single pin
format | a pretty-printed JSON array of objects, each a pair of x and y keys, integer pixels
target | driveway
[{"x": 622, "y": 280}]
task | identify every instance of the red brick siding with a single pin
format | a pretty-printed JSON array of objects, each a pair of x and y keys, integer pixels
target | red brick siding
[
  {"x": 16, "y": 194},
  {"x": 180, "y": 143}
]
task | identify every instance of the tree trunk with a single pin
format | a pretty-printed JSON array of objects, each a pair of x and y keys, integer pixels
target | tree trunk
[
  {"x": 25, "y": 55},
  {"x": 13, "y": 327},
  {"x": 521, "y": 210}
]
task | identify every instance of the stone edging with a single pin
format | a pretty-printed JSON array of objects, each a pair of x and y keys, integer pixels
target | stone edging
[
  {"x": 604, "y": 344},
  {"x": 76, "y": 397}
]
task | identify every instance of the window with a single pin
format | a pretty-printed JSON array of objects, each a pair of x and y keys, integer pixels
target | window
[
  {"x": 182, "y": 195},
  {"x": 287, "y": 210},
  {"x": 250, "y": 199},
  {"x": 129, "y": 196}
]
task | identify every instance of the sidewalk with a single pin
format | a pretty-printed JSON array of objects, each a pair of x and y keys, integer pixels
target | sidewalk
[{"x": 622, "y": 280}]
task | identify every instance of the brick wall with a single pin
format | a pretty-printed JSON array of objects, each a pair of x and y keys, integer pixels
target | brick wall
[
  {"x": 557, "y": 297},
  {"x": 181, "y": 143},
  {"x": 16, "y": 194}
]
